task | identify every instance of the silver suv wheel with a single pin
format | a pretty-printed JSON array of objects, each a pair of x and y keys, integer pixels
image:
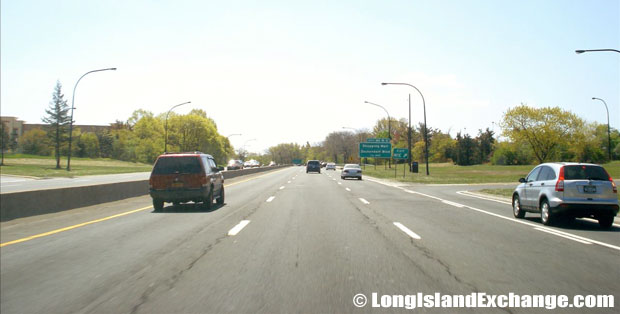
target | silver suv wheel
[
  {"x": 545, "y": 213},
  {"x": 516, "y": 207}
]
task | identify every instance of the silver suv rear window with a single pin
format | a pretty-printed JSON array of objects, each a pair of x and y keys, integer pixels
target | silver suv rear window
[{"x": 585, "y": 172}]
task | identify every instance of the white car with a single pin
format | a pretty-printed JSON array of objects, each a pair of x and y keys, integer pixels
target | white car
[
  {"x": 351, "y": 171},
  {"x": 330, "y": 166}
]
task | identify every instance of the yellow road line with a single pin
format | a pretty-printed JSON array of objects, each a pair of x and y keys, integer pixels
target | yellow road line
[
  {"x": 40, "y": 235},
  {"x": 71, "y": 227}
]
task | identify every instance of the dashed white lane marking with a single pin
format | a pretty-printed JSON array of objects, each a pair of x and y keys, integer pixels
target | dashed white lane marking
[
  {"x": 348, "y": 189},
  {"x": 236, "y": 229},
  {"x": 282, "y": 187},
  {"x": 535, "y": 226},
  {"x": 364, "y": 201},
  {"x": 339, "y": 183},
  {"x": 288, "y": 182},
  {"x": 407, "y": 231},
  {"x": 270, "y": 199}
]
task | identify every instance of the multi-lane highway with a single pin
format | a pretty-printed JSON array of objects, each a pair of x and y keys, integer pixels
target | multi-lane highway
[{"x": 286, "y": 241}]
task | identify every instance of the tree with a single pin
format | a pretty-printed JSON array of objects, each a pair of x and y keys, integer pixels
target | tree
[
  {"x": 485, "y": 143},
  {"x": 3, "y": 140},
  {"x": 13, "y": 140},
  {"x": 89, "y": 145},
  {"x": 57, "y": 120},
  {"x": 35, "y": 142},
  {"x": 544, "y": 129}
]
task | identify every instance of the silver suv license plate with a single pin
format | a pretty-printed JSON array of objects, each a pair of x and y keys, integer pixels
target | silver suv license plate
[{"x": 589, "y": 189}]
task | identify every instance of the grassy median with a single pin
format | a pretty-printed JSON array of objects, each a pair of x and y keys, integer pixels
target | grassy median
[
  {"x": 447, "y": 173},
  {"x": 45, "y": 167}
]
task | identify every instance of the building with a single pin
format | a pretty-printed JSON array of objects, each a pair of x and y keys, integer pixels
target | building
[{"x": 13, "y": 125}]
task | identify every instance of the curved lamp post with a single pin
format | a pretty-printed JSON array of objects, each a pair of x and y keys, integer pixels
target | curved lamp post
[
  {"x": 73, "y": 107},
  {"x": 166, "y": 128},
  {"x": 608, "y": 132},
  {"x": 594, "y": 50},
  {"x": 389, "y": 126},
  {"x": 425, "y": 127}
]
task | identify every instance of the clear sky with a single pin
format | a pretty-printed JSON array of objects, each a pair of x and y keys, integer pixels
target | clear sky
[{"x": 293, "y": 71}]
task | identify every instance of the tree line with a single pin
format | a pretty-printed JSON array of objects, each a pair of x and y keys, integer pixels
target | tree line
[
  {"x": 528, "y": 135},
  {"x": 138, "y": 139}
]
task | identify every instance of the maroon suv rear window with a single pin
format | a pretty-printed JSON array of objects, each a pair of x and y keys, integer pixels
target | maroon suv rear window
[
  {"x": 585, "y": 172},
  {"x": 172, "y": 165}
]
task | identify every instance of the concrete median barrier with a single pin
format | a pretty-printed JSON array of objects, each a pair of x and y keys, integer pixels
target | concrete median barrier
[{"x": 31, "y": 203}]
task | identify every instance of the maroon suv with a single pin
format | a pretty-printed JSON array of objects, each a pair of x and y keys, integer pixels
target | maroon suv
[{"x": 183, "y": 177}]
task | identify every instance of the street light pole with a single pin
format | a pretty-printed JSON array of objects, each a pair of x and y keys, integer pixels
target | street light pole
[
  {"x": 166, "y": 127},
  {"x": 73, "y": 107},
  {"x": 594, "y": 50},
  {"x": 608, "y": 131},
  {"x": 425, "y": 126},
  {"x": 389, "y": 126}
]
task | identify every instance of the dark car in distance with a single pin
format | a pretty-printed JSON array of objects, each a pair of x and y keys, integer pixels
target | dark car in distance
[
  {"x": 313, "y": 166},
  {"x": 183, "y": 177}
]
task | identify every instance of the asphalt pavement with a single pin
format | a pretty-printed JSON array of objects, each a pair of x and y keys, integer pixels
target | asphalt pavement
[{"x": 286, "y": 241}]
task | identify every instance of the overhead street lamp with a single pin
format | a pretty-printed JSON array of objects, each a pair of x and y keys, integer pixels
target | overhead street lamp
[
  {"x": 594, "y": 50},
  {"x": 608, "y": 131},
  {"x": 166, "y": 127},
  {"x": 246, "y": 142},
  {"x": 425, "y": 127},
  {"x": 389, "y": 125},
  {"x": 73, "y": 107},
  {"x": 233, "y": 135}
]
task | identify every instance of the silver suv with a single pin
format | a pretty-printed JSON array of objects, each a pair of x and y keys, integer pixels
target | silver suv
[{"x": 569, "y": 189}]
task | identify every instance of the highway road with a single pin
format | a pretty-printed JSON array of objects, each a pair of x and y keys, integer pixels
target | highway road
[{"x": 286, "y": 241}]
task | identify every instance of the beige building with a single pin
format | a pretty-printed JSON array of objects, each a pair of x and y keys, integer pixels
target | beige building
[{"x": 20, "y": 127}]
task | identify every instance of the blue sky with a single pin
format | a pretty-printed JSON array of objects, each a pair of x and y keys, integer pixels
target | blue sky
[{"x": 292, "y": 71}]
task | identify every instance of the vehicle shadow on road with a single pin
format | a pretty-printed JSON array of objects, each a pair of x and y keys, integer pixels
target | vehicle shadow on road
[
  {"x": 187, "y": 208},
  {"x": 576, "y": 224}
]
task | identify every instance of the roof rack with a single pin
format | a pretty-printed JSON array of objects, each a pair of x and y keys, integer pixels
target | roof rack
[{"x": 194, "y": 152}]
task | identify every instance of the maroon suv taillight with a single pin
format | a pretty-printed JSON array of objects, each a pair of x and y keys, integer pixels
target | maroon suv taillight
[{"x": 559, "y": 185}]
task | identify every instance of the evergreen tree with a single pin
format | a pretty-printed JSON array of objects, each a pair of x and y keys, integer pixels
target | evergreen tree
[{"x": 58, "y": 120}]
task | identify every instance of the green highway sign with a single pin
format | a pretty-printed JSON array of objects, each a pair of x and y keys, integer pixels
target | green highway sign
[
  {"x": 297, "y": 161},
  {"x": 376, "y": 150},
  {"x": 401, "y": 153},
  {"x": 377, "y": 140}
]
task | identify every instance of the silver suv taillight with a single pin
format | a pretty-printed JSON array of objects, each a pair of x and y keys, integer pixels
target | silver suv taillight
[{"x": 559, "y": 186}]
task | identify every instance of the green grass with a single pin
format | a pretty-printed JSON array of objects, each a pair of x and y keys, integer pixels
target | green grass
[
  {"x": 446, "y": 173},
  {"x": 44, "y": 167},
  {"x": 498, "y": 192}
]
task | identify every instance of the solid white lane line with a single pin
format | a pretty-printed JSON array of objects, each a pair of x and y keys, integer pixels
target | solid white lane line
[
  {"x": 282, "y": 187},
  {"x": 270, "y": 199},
  {"x": 453, "y": 204},
  {"x": 573, "y": 236},
  {"x": 364, "y": 201},
  {"x": 348, "y": 189},
  {"x": 596, "y": 221},
  {"x": 407, "y": 231},
  {"x": 561, "y": 235},
  {"x": 466, "y": 193},
  {"x": 236, "y": 229}
]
